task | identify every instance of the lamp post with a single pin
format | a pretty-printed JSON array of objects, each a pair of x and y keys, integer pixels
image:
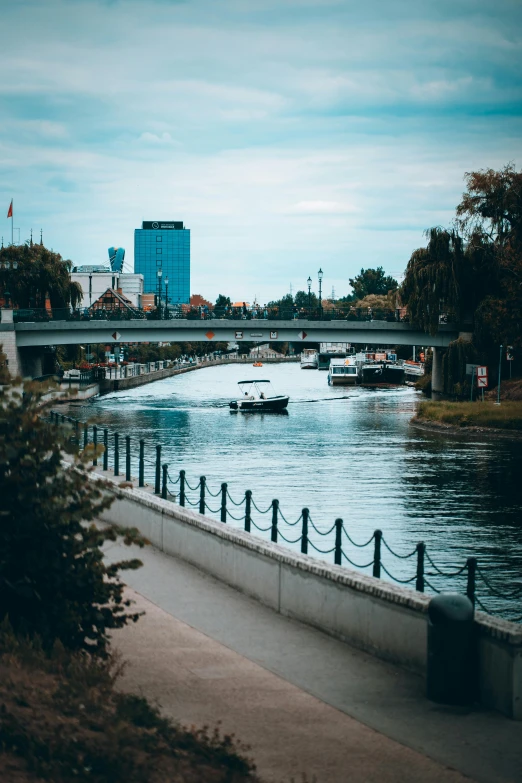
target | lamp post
[
  {"x": 159, "y": 273},
  {"x": 320, "y": 277},
  {"x": 309, "y": 282},
  {"x": 167, "y": 296}
]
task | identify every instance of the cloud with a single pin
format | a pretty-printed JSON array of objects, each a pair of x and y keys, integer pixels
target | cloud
[{"x": 239, "y": 118}]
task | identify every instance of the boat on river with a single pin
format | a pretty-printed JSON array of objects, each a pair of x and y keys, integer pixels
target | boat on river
[
  {"x": 343, "y": 372},
  {"x": 382, "y": 373},
  {"x": 309, "y": 359},
  {"x": 258, "y": 396},
  {"x": 413, "y": 370}
]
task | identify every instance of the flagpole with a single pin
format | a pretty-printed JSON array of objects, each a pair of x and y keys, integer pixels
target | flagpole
[{"x": 12, "y": 221}]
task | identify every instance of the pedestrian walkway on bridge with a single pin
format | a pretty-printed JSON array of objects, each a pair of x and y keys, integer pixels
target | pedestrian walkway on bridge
[{"x": 304, "y": 702}]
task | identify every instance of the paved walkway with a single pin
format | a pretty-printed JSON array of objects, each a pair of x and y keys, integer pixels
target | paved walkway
[{"x": 305, "y": 703}]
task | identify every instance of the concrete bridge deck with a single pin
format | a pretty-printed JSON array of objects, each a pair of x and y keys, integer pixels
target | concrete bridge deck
[
  {"x": 305, "y": 702},
  {"x": 223, "y": 330}
]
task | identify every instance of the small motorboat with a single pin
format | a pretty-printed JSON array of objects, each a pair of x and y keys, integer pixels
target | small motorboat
[
  {"x": 258, "y": 364},
  {"x": 258, "y": 396}
]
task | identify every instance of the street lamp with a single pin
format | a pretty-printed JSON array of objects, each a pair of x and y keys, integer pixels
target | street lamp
[
  {"x": 320, "y": 276},
  {"x": 309, "y": 281},
  {"x": 167, "y": 296},
  {"x": 159, "y": 273}
]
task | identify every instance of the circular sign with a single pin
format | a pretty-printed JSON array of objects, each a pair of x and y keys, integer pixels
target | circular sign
[{"x": 155, "y": 225}]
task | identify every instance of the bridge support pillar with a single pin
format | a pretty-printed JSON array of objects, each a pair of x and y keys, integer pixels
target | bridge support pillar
[
  {"x": 437, "y": 381},
  {"x": 8, "y": 342}
]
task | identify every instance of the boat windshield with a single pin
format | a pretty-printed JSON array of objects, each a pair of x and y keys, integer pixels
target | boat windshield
[{"x": 257, "y": 388}]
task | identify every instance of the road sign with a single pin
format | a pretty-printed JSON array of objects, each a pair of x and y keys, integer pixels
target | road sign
[
  {"x": 482, "y": 377},
  {"x": 116, "y": 335},
  {"x": 209, "y": 335},
  {"x": 239, "y": 335},
  {"x": 470, "y": 369},
  {"x": 302, "y": 335},
  {"x": 509, "y": 353},
  {"x": 273, "y": 335}
]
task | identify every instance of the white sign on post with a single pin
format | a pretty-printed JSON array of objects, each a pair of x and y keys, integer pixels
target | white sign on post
[{"x": 482, "y": 377}]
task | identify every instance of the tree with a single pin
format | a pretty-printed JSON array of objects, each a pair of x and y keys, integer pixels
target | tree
[
  {"x": 53, "y": 579},
  {"x": 372, "y": 281},
  {"x": 32, "y": 274},
  {"x": 433, "y": 280},
  {"x": 223, "y": 301},
  {"x": 302, "y": 299}
]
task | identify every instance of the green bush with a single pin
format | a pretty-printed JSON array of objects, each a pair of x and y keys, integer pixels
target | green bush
[{"x": 53, "y": 580}]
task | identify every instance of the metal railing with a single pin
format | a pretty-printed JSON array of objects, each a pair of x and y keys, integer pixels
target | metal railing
[
  {"x": 344, "y": 312},
  {"x": 470, "y": 578}
]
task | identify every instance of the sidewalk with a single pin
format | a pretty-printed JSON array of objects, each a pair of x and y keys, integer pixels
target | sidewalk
[{"x": 305, "y": 703}]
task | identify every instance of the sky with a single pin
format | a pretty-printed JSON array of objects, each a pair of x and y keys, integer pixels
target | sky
[{"x": 288, "y": 135}]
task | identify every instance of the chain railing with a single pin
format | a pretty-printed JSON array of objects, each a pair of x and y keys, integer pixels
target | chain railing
[{"x": 473, "y": 579}]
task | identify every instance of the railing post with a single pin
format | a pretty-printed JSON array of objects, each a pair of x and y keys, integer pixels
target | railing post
[
  {"x": 202, "y": 482},
  {"x": 95, "y": 444},
  {"x": 419, "y": 583},
  {"x": 106, "y": 449},
  {"x": 164, "y": 482},
  {"x": 116, "y": 454},
  {"x": 472, "y": 571},
  {"x": 77, "y": 432},
  {"x": 304, "y": 533},
  {"x": 85, "y": 435},
  {"x": 338, "y": 555},
  {"x": 275, "y": 509},
  {"x": 377, "y": 553},
  {"x": 141, "y": 468},
  {"x": 224, "y": 502},
  {"x": 248, "y": 510},
  {"x": 157, "y": 484},
  {"x": 182, "y": 488},
  {"x": 127, "y": 458},
  {"x": 63, "y": 419}
]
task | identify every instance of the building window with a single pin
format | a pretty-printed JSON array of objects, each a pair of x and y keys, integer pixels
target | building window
[
  {"x": 159, "y": 239},
  {"x": 159, "y": 250}
]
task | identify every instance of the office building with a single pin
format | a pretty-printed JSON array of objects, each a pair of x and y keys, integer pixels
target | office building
[{"x": 161, "y": 253}]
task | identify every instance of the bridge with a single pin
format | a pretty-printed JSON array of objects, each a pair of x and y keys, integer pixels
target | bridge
[{"x": 23, "y": 339}]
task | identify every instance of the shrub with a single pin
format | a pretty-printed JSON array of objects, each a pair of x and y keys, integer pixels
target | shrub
[{"x": 53, "y": 580}]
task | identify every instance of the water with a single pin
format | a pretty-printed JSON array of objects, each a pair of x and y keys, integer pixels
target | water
[{"x": 342, "y": 452}]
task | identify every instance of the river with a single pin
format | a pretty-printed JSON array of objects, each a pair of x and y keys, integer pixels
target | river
[{"x": 341, "y": 452}]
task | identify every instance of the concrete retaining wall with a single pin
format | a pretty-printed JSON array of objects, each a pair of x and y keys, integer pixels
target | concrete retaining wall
[{"x": 386, "y": 620}]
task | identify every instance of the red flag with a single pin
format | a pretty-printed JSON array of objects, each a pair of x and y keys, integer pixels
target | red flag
[{"x": 10, "y": 210}]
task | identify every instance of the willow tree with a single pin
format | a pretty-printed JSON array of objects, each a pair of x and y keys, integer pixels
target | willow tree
[
  {"x": 433, "y": 283},
  {"x": 33, "y": 274}
]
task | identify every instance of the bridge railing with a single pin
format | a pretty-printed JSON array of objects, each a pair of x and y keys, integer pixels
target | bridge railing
[
  {"x": 338, "y": 313},
  {"x": 106, "y": 449}
]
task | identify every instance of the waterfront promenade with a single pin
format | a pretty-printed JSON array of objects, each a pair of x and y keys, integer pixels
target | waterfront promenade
[{"x": 306, "y": 703}]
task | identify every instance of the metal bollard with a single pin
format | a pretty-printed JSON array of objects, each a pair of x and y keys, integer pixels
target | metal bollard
[
  {"x": 202, "y": 482},
  {"x": 116, "y": 454},
  {"x": 275, "y": 509},
  {"x": 95, "y": 444},
  {"x": 77, "y": 431},
  {"x": 182, "y": 488},
  {"x": 248, "y": 510},
  {"x": 141, "y": 469},
  {"x": 419, "y": 583},
  {"x": 164, "y": 482},
  {"x": 127, "y": 458},
  {"x": 338, "y": 553},
  {"x": 304, "y": 532},
  {"x": 377, "y": 553},
  {"x": 472, "y": 572},
  {"x": 157, "y": 484},
  {"x": 106, "y": 449},
  {"x": 224, "y": 502},
  {"x": 85, "y": 436}
]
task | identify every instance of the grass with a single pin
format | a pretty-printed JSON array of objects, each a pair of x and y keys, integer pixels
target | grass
[
  {"x": 63, "y": 720},
  {"x": 506, "y": 416}
]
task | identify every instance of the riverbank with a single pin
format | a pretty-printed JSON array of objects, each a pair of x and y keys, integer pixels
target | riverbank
[{"x": 480, "y": 417}]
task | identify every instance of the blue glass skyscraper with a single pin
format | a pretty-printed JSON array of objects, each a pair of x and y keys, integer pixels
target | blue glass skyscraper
[{"x": 165, "y": 245}]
